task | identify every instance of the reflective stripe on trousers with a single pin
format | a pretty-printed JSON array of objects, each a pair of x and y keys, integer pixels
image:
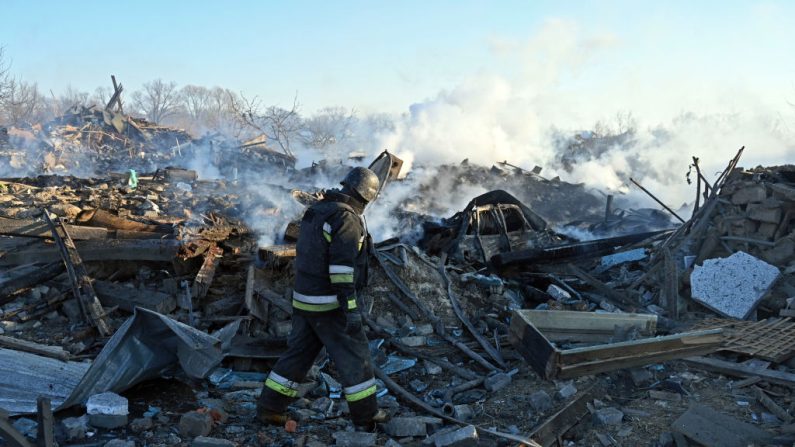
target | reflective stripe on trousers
[
  {"x": 281, "y": 385},
  {"x": 360, "y": 391}
]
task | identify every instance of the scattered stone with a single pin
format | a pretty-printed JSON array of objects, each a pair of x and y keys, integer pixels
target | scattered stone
[
  {"x": 432, "y": 368},
  {"x": 354, "y": 439},
  {"x": 414, "y": 340},
  {"x": 608, "y": 416},
  {"x": 141, "y": 424},
  {"x": 75, "y": 428},
  {"x": 770, "y": 419},
  {"x": 463, "y": 412},
  {"x": 193, "y": 424},
  {"x": 392, "y": 443},
  {"x": 418, "y": 385},
  {"x": 541, "y": 401},
  {"x": 405, "y": 426},
  {"x": 202, "y": 441},
  {"x": 640, "y": 376},
  {"x": 732, "y": 286},
  {"x": 566, "y": 391},
  {"x": 558, "y": 293},
  {"x": 107, "y": 410},
  {"x": 497, "y": 382},
  {"x": 322, "y": 405},
  {"x": 461, "y": 437}
]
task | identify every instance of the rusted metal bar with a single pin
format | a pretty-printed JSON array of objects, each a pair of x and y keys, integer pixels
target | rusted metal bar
[{"x": 657, "y": 200}]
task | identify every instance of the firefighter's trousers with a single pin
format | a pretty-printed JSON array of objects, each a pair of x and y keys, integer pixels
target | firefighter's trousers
[{"x": 350, "y": 354}]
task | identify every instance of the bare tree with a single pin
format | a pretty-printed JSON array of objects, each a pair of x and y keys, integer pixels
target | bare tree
[
  {"x": 68, "y": 99},
  {"x": 279, "y": 125},
  {"x": 5, "y": 77},
  {"x": 195, "y": 100},
  {"x": 328, "y": 126},
  {"x": 22, "y": 104},
  {"x": 158, "y": 101}
]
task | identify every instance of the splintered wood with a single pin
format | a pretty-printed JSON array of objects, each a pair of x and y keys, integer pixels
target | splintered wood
[{"x": 772, "y": 339}]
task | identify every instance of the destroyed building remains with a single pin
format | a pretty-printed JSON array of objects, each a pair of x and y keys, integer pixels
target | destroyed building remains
[{"x": 496, "y": 326}]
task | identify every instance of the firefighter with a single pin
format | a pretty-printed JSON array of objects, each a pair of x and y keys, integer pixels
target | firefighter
[{"x": 330, "y": 266}]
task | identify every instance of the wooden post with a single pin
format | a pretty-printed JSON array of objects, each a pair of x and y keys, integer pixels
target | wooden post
[{"x": 45, "y": 435}]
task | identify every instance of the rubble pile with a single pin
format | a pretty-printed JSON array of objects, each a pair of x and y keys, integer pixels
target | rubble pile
[{"x": 151, "y": 312}]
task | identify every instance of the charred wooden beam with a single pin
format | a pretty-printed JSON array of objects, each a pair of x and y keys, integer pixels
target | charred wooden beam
[
  {"x": 163, "y": 250},
  {"x": 45, "y": 436},
  {"x": 55, "y": 352},
  {"x": 551, "y": 362},
  {"x": 39, "y": 229},
  {"x": 12, "y": 436},
  {"x": 207, "y": 271},
  {"x": 27, "y": 276},
  {"x": 128, "y": 298},
  {"x": 81, "y": 283},
  {"x": 548, "y": 433}
]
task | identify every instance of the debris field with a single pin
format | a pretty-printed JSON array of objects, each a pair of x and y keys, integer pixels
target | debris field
[{"x": 142, "y": 305}]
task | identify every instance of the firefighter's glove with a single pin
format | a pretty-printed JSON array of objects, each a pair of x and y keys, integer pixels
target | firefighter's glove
[{"x": 353, "y": 322}]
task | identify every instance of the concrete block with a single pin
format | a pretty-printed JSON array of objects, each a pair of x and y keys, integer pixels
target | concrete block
[
  {"x": 424, "y": 329},
  {"x": 732, "y": 286},
  {"x": 566, "y": 391},
  {"x": 767, "y": 231},
  {"x": 608, "y": 416},
  {"x": 193, "y": 424},
  {"x": 202, "y": 441},
  {"x": 764, "y": 213},
  {"x": 463, "y": 412},
  {"x": 497, "y": 382},
  {"x": 405, "y": 426},
  {"x": 541, "y": 401},
  {"x": 75, "y": 428},
  {"x": 782, "y": 253},
  {"x": 107, "y": 403},
  {"x": 465, "y": 436},
  {"x": 109, "y": 421},
  {"x": 354, "y": 439},
  {"x": 750, "y": 194}
]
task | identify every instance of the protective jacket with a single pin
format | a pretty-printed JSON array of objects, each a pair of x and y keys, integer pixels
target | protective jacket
[
  {"x": 331, "y": 260},
  {"x": 331, "y": 255}
]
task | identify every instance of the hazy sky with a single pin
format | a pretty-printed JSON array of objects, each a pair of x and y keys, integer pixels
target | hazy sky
[{"x": 387, "y": 55}]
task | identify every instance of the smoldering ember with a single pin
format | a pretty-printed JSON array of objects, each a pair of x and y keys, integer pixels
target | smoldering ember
[{"x": 146, "y": 284}]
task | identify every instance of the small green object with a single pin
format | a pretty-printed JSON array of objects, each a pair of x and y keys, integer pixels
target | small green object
[{"x": 133, "y": 181}]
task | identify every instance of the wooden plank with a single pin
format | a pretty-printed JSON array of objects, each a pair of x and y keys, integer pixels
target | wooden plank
[
  {"x": 81, "y": 283},
  {"x": 207, "y": 271},
  {"x": 45, "y": 435},
  {"x": 12, "y": 436},
  {"x": 559, "y": 423},
  {"x": 277, "y": 255},
  {"x": 163, "y": 250},
  {"x": 27, "y": 277},
  {"x": 276, "y": 299},
  {"x": 128, "y": 298},
  {"x": 534, "y": 347},
  {"x": 563, "y": 325},
  {"x": 739, "y": 370},
  {"x": 39, "y": 229},
  {"x": 602, "y": 288},
  {"x": 670, "y": 289},
  {"x": 55, "y": 352},
  {"x": 772, "y": 406},
  {"x": 711, "y": 338},
  {"x": 255, "y": 306},
  {"x": 713, "y": 429}
]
